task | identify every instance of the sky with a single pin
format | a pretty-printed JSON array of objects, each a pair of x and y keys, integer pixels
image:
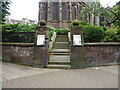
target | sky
[{"x": 29, "y": 8}]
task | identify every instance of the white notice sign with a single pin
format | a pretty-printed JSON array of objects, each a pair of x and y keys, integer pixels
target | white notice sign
[
  {"x": 77, "y": 40},
  {"x": 40, "y": 39}
]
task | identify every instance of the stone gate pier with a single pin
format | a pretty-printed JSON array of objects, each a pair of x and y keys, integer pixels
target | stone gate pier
[
  {"x": 77, "y": 56},
  {"x": 41, "y": 47}
]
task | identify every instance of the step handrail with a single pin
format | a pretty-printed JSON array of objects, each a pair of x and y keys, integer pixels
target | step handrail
[{"x": 53, "y": 40}]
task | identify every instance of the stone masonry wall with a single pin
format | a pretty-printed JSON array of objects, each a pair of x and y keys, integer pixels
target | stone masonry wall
[
  {"x": 95, "y": 54},
  {"x": 102, "y": 54},
  {"x": 18, "y": 53}
]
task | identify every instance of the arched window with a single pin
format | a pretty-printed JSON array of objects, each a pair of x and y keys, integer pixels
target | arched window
[{"x": 55, "y": 10}]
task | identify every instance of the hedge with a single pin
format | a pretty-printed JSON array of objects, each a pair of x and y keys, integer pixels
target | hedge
[
  {"x": 18, "y": 32},
  {"x": 58, "y": 31},
  {"x": 93, "y": 33},
  {"x": 18, "y": 27},
  {"x": 112, "y": 35}
]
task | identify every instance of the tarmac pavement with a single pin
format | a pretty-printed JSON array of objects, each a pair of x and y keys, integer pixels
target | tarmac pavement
[{"x": 18, "y": 76}]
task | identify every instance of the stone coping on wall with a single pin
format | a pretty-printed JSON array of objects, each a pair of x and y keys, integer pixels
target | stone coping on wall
[
  {"x": 85, "y": 44},
  {"x": 18, "y": 44},
  {"x": 103, "y": 44}
]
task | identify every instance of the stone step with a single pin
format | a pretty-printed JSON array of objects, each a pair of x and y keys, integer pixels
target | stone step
[
  {"x": 60, "y": 51},
  {"x": 58, "y": 54},
  {"x": 59, "y": 66},
  {"x": 61, "y": 45},
  {"x": 61, "y": 58},
  {"x": 59, "y": 62},
  {"x": 62, "y": 38}
]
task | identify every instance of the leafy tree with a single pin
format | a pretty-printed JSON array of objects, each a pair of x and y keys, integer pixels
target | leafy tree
[
  {"x": 116, "y": 11},
  {"x": 4, "y": 8},
  {"x": 111, "y": 14}
]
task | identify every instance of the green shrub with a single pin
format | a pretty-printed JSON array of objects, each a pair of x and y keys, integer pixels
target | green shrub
[
  {"x": 50, "y": 27},
  {"x": 15, "y": 32},
  {"x": 62, "y": 31},
  {"x": 112, "y": 35},
  {"x": 51, "y": 32},
  {"x": 58, "y": 31},
  {"x": 93, "y": 33},
  {"x": 18, "y": 27},
  {"x": 104, "y": 28},
  {"x": 77, "y": 22},
  {"x": 84, "y": 23}
]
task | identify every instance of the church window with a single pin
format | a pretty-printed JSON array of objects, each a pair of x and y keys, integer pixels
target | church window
[{"x": 55, "y": 11}]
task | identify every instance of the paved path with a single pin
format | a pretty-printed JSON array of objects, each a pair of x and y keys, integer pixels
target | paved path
[{"x": 16, "y": 76}]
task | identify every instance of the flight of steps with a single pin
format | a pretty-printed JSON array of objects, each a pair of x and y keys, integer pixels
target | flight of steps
[{"x": 59, "y": 56}]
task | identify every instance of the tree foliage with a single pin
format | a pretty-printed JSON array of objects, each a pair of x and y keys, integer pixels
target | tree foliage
[
  {"x": 112, "y": 35},
  {"x": 4, "y": 8},
  {"x": 116, "y": 12},
  {"x": 111, "y": 14}
]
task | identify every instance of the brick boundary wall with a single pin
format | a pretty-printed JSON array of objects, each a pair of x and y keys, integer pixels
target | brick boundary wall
[{"x": 95, "y": 53}]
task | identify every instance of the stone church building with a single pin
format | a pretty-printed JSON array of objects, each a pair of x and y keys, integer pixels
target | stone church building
[{"x": 60, "y": 14}]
